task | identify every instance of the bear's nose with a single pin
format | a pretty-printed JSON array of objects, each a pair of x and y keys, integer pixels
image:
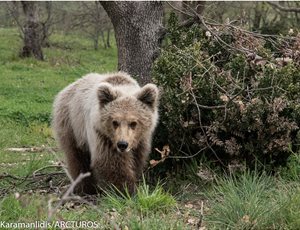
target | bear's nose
[{"x": 122, "y": 145}]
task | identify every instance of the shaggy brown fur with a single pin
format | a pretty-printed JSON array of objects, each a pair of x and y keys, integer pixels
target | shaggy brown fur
[{"x": 104, "y": 124}]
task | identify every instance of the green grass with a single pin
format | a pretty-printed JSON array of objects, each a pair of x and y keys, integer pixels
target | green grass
[
  {"x": 28, "y": 87},
  {"x": 290, "y": 211},
  {"x": 253, "y": 201},
  {"x": 148, "y": 208},
  {"x": 292, "y": 170},
  {"x": 158, "y": 212},
  {"x": 243, "y": 202},
  {"x": 146, "y": 200}
]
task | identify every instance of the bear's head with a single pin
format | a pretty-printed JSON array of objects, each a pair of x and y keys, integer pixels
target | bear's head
[{"x": 128, "y": 116}]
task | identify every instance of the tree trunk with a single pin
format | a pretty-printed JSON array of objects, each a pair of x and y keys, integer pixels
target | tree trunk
[
  {"x": 103, "y": 39},
  {"x": 96, "y": 41},
  {"x": 137, "y": 28},
  {"x": 108, "y": 38},
  {"x": 32, "y": 38}
]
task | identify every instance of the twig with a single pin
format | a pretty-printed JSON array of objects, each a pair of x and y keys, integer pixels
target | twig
[
  {"x": 6, "y": 175},
  {"x": 13, "y": 11},
  {"x": 30, "y": 149},
  {"x": 201, "y": 216},
  {"x": 66, "y": 195},
  {"x": 187, "y": 23},
  {"x": 203, "y": 131},
  {"x": 179, "y": 10},
  {"x": 211, "y": 106},
  {"x": 187, "y": 157},
  {"x": 46, "y": 167}
]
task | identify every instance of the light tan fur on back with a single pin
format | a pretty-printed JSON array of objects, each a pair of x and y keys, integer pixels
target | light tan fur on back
[{"x": 104, "y": 124}]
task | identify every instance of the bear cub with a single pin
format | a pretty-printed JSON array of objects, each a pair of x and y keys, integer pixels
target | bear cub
[{"x": 104, "y": 125}]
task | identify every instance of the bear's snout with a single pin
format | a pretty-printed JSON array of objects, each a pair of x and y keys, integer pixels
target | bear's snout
[{"x": 122, "y": 145}]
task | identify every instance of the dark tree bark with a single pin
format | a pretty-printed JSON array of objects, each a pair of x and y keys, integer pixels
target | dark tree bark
[
  {"x": 137, "y": 28},
  {"x": 32, "y": 39}
]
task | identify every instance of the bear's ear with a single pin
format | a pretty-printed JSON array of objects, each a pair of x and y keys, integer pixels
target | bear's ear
[
  {"x": 149, "y": 95},
  {"x": 106, "y": 94}
]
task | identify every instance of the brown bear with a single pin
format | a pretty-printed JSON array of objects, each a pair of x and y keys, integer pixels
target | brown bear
[{"x": 104, "y": 124}]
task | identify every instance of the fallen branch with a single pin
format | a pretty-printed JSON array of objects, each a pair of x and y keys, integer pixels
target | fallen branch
[
  {"x": 66, "y": 196},
  {"x": 35, "y": 181},
  {"x": 30, "y": 149}
]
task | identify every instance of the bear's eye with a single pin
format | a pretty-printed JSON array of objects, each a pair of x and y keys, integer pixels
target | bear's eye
[
  {"x": 115, "y": 124},
  {"x": 132, "y": 125}
]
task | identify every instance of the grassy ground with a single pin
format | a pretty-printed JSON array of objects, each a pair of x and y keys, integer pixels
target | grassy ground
[{"x": 32, "y": 182}]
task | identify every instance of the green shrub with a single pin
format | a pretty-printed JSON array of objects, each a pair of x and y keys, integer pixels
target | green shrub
[
  {"x": 291, "y": 171},
  {"x": 224, "y": 102}
]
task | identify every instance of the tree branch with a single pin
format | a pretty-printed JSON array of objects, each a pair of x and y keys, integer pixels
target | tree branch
[
  {"x": 186, "y": 23},
  {"x": 285, "y": 9}
]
